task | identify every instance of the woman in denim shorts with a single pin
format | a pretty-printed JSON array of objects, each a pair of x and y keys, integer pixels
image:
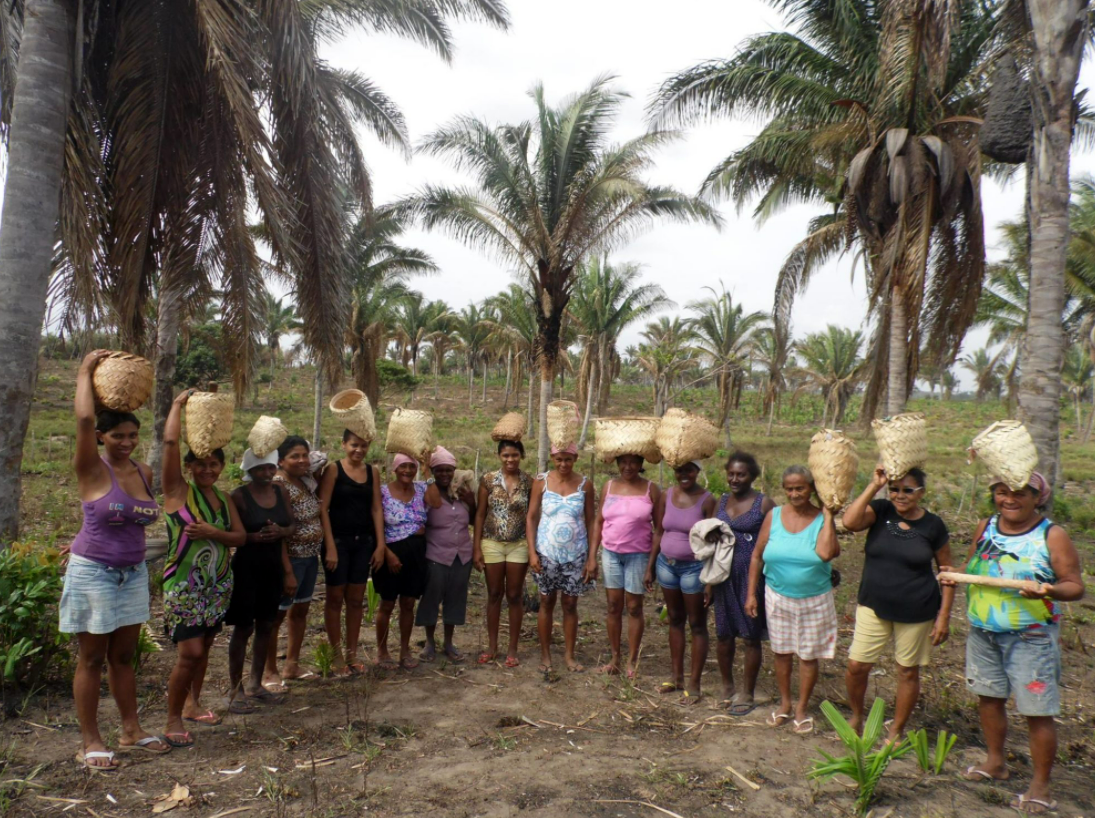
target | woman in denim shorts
[
  {"x": 105, "y": 596},
  {"x": 1012, "y": 645},
  {"x": 625, "y": 526},
  {"x": 678, "y": 573}
]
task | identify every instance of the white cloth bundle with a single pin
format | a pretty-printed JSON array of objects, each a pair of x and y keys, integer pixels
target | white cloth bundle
[{"x": 713, "y": 542}]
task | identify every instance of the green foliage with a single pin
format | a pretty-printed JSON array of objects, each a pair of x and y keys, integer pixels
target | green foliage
[
  {"x": 928, "y": 762},
  {"x": 145, "y": 645},
  {"x": 30, "y": 587},
  {"x": 372, "y": 601},
  {"x": 323, "y": 657},
  {"x": 393, "y": 377},
  {"x": 863, "y": 766},
  {"x": 201, "y": 361}
]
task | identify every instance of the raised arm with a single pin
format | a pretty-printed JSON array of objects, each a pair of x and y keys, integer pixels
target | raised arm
[
  {"x": 828, "y": 546},
  {"x": 174, "y": 486},
  {"x": 859, "y": 516},
  {"x": 88, "y": 465},
  {"x": 756, "y": 567}
]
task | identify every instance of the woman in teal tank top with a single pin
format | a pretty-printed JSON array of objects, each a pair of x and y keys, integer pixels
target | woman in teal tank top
[{"x": 796, "y": 545}]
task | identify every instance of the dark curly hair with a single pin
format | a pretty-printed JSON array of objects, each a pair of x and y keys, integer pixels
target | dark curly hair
[
  {"x": 747, "y": 460},
  {"x": 516, "y": 444}
]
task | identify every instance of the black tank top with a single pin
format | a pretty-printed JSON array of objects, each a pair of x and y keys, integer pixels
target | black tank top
[
  {"x": 254, "y": 517},
  {"x": 351, "y": 506}
]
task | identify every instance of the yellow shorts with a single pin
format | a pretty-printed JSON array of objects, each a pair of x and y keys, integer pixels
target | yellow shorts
[
  {"x": 912, "y": 640},
  {"x": 495, "y": 552}
]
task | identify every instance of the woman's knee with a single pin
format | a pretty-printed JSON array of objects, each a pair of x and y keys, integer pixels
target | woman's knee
[
  {"x": 298, "y": 613},
  {"x": 386, "y": 607},
  {"x": 354, "y": 603},
  {"x": 698, "y": 627},
  {"x": 570, "y": 605},
  {"x": 859, "y": 669},
  {"x": 677, "y": 618},
  {"x": 635, "y": 608},
  {"x": 908, "y": 674},
  {"x": 515, "y": 596},
  {"x": 241, "y": 633}
]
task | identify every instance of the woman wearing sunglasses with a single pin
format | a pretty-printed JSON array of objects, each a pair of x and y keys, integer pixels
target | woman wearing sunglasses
[{"x": 899, "y": 597}]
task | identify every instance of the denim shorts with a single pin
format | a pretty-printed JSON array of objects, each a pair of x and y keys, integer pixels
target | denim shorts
[
  {"x": 100, "y": 599},
  {"x": 625, "y": 571},
  {"x": 305, "y": 569},
  {"x": 679, "y": 575},
  {"x": 1026, "y": 663}
]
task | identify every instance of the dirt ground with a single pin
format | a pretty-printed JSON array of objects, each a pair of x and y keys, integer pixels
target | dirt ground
[{"x": 466, "y": 740}]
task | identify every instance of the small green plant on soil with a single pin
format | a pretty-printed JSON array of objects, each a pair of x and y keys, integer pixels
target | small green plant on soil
[
  {"x": 30, "y": 585},
  {"x": 929, "y": 762},
  {"x": 146, "y": 645},
  {"x": 863, "y": 766},
  {"x": 503, "y": 742},
  {"x": 323, "y": 657}
]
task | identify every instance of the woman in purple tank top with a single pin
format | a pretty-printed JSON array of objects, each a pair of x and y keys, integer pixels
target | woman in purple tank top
[
  {"x": 105, "y": 597},
  {"x": 678, "y": 573}
]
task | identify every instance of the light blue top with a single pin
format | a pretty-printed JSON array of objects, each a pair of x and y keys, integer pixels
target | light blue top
[
  {"x": 792, "y": 567},
  {"x": 561, "y": 535}
]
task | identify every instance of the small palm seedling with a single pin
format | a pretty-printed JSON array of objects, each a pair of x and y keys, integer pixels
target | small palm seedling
[
  {"x": 146, "y": 645},
  {"x": 324, "y": 658},
  {"x": 944, "y": 743},
  {"x": 861, "y": 765}
]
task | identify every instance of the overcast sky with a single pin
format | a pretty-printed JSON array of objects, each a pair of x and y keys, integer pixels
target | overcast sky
[{"x": 565, "y": 44}]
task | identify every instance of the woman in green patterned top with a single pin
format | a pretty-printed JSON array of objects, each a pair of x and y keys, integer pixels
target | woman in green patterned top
[{"x": 201, "y": 528}]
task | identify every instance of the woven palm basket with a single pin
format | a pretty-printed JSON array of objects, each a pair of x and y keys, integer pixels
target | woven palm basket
[
  {"x": 834, "y": 462},
  {"x": 902, "y": 443},
  {"x": 510, "y": 427},
  {"x": 410, "y": 431},
  {"x": 1008, "y": 453},
  {"x": 616, "y": 437},
  {"x": 564, "y": 424},
  {"x": 122, "y": 381},
  {"x": 266, "y": 435},
  {"x": 352, "y": 409},
  {"x": 683, "y": 436},
  {"x": 209, "y": 421}
]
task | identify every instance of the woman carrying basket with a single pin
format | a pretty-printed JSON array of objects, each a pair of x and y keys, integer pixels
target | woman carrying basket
[
  {"x": 797, "y": 543},
  {"x": 560, "y": 515},
  {"x": 625, "y": 527},
  {"x": 1013, "y": 643},
  {"x": 105, "y": 596}
]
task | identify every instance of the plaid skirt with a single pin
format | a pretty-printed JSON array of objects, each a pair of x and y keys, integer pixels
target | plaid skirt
[{"x": 804, "y": 627}]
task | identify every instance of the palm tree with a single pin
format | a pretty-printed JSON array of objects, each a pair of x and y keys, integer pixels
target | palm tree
[
  {"x": 279, "y": 319},
  {"x": 515, "y": 329},
  {"x": 948, "y": 382},
  {"x": 416, "y": 322},
  {"x": 1077, "y": 375},
  {"x": 987, "y": 370},
  {"x": 831, "y": 362},
  {"x": 667, "y": 353},
  {"x": 860, "y": 108},
  {"x": 724, "y": 335},
  {"x": 548, "y": 194},
  {"x": 607, "y": 299},
  {"x": 772, "y": 348},
  {"x": 472, "y": 327},
  {"x": 379, "y": 271},
  {"x": 1057, "y": 48},
  {"x": 440, "y": 339}
]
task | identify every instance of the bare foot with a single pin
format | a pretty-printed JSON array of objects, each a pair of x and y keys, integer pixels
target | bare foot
[
  {"x": 612, "y": 669},
  {"x": 574, "y": 666},
  {"x": 385, "y": 661}
]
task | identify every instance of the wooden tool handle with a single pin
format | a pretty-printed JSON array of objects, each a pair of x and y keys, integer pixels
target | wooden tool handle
[{"x": 995, "y": 582}]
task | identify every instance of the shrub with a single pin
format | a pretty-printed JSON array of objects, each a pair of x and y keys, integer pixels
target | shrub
[{"x": 30, "y": 589}]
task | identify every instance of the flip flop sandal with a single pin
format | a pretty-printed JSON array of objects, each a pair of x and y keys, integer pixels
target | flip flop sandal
[
  {"x": 611, "y": 670},
  {"x": 208, "y": 718},
  {"x": 974, "y": 774},
  {"x": 428, "y": 657},
  {"x": 408, "y": 663},
  {"x": 276, "y": 688},
  {"x": 388, "y": 664},
  {"x": 454, "y": 656},
  {"x": 180, "y": 740},
  {"x": 742, "y": 708},
  {"x": 1020, "y": 803},
  {"x": 512, "y": 661},
  {"x": 343, "y": 672},
  {"x": 303, "y": 677},
  {"x": 804, "y": 727},
  {"x": 82, "y": 758},
  {"x": 144, "y": 745},
  {"x": 485, "y": 658},
  {"x": 667, "y": 687},
  {"x": 777, "y": 719},
  {"x": 241, "y": 707},
  {"x": 358, "y": 668},
  {"x": 577, "y": 669},
  {"x": 689, "y": 699}
]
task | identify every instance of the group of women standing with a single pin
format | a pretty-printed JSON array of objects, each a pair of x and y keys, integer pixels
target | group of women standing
[{"x": 251, "y": 560}]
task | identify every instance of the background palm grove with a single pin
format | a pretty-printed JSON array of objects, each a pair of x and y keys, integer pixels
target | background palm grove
[{"x": 188, "y": 179}]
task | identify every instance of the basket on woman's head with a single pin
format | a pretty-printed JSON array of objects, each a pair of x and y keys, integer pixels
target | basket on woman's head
[
  {"x": 511, "y": 426},
  {"x": 410, "y": 432},
  {"x": 616, "y": 437},
  {"x": 563, "y": 423},
  {"x": 122, "y": 381},
  {"x": 351, "y": 408},
  {"x": 266, "y": 435},
  {"x": 1008, "y": 452},
  {"x": 833, "y": 462},
  {"x": 209, "y": 421},
  {"x": 683, "y": 437},
  {"x": 902, "y": 443}
]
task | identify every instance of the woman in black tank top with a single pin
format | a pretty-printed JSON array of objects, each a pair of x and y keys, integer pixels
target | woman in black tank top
[
  {"x": 353, "y": 525},
  {"x": 263, "y": 573}
]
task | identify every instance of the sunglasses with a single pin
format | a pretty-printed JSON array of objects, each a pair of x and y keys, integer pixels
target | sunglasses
[{"x": 904, "y": 489}]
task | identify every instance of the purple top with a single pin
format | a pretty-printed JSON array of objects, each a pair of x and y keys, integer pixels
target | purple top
[
  {"x": 447, "y": 535},
  {"x": 113, "y": 529},
  {"x": 676, "y": 525},
  {"x": 402, "y": 520}
]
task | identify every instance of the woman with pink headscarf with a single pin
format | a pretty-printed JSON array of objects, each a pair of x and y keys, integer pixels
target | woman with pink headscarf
[
  {"x": 560, "y": 513},
  {"x": 449, "y": 512},
  {"x": 402, "y": 578},
  {"x": 1013, "y": 643}
]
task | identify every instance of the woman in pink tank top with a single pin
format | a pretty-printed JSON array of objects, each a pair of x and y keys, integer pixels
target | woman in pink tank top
[
  {"x": 625, "y": 527},
  {"x": 105, "y": 597},
  {"x": 678, "y": 573}
]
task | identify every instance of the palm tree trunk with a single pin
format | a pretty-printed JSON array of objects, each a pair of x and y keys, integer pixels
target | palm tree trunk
[
  {"x": 471, "y": 378},
  {"x": 546, "y": 384},
  {"x": 1079, "y": 414},
  {"x": 32, "y": 193},
  {"x": 771, "y": 417},
  {"x": 1058, "y": 27},
  {"x": 509, "y": 373},
  {"x": 484, "y": 380},
  {"x": 528, "y": 414},
  {"x": 168, "y": 321},
  {"x": 592, "y": 385},
  {"x": 317, "y": 420},
  {"x": 898, "y": 375},
  {"x": 1090, "y": 422}
]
